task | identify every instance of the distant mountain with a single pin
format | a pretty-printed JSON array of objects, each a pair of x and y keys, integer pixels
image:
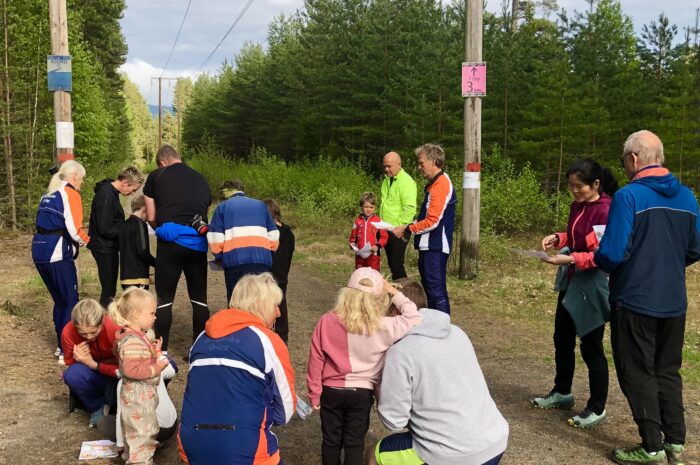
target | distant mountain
[{"x": 166, "y": 109}]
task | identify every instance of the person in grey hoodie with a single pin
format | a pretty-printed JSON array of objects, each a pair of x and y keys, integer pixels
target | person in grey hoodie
[{"x": 432, "y": 384}]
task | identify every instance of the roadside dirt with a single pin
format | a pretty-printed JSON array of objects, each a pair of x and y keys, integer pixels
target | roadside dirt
[{"x": 35, "y": 426}]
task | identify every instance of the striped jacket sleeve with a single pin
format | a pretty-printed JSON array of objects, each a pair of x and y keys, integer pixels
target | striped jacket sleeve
[
  {"x": 73, "y": 216},
  {"x": 439, "y": 196},
  {"x": 216, "y": 235},
  {"x": 278, "y": 369},
  {"x": 272, "y": 232}
]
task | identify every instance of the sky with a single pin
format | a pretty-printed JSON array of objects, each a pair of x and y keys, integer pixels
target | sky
[{"x": 150, "y": 28}]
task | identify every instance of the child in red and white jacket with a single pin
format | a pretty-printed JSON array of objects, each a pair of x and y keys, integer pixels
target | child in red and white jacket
[{"x": 365, "y": 233}]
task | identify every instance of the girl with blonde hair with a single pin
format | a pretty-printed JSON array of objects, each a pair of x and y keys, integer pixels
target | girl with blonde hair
[
  {"x": 346, "y": 358},
  {"x": 59, "y": 234},
  {"x": 140, "y": 366}
]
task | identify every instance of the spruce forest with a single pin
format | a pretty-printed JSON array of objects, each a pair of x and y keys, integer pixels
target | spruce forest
[{"x": 349, "y": 80}]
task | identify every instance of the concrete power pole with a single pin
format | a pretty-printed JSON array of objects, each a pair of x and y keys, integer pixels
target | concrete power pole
[
  {"x": 59, "y": 46},
  {"x": 471, "y": 191}
]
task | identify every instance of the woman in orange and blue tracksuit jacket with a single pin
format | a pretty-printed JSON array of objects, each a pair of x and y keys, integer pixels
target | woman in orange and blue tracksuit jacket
[
  {"x": 59, "y": 234},
  {"x": 240, "y": 383}
]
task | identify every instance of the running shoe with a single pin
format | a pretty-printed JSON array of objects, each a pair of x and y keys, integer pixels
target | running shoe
[
  {"x": 587, "y": 419},
  {"x": 674, "y": 453},
  {"x": 637, "y": 456},
  {"x": 554, "y": 400}
]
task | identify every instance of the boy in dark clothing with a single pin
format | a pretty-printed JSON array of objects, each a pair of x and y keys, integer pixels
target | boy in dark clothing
[
  {"x": 136, "y": 255},
  {"x": 281, "y": 262},
  {"x": 106, "y": 219}
]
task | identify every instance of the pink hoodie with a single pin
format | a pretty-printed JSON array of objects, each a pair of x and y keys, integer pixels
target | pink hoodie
[{"x": 340, "y": 359}]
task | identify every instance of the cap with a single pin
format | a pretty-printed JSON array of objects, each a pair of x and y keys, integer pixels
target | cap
[{"x": 371, "y": 274}]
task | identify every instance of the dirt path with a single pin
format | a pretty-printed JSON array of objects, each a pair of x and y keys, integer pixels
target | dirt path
[{"x": 36, "y": 428}]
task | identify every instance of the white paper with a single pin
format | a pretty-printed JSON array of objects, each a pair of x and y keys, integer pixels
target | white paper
[
  {"x": 303, "y": 409},
  {"x": 383, "y": 225},
  {"x": 102, "y": 449},
  {"x": 542, "y": 255},
  {"x": 214, "y": 266},
  {"x": 471, "y": 180},
  {"x": 64, "y": 135},
  {"x": 599, "y": 230},
  {"x": 364, "y": 252}
]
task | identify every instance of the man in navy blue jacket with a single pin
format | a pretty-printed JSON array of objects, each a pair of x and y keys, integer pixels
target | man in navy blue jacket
[{"x": 651, "y": 236}]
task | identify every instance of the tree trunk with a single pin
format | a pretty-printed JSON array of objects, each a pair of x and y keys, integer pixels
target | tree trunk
[{"x": 7, "y": 136}]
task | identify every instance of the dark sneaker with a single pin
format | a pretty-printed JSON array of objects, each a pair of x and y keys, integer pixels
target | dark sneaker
[
  {"x": 674, "y": 453},
  {"x": 637, "y": 455},
  {"x": 554, "y": 400},
  {"x": 587, "y": 419}
]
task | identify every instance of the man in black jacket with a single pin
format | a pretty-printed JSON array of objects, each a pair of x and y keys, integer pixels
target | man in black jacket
[{"x": 106, "y": 219}]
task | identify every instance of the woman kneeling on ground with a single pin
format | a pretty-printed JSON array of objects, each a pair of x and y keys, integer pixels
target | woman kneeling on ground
[
  {"x": 240, "y": 383},
  {"x": 582, "y": 307},
  {"x": 87, "y": 342}
]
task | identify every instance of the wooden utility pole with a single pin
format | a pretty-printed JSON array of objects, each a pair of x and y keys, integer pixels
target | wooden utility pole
[
  {"x": 160, "y": 108},
  {"x": 59, "y": 46},
  {"x": 471, "y": 191}
]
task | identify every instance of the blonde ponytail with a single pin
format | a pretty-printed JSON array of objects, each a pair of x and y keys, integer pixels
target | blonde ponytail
[
  {"x": 130, "y": 301},
  {"x": 359, "y": 311},
  {"x": 67, "y": 168}
]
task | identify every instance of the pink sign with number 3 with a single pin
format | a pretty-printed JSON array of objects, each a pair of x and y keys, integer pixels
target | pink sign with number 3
[{"x": 473, "y": 79}]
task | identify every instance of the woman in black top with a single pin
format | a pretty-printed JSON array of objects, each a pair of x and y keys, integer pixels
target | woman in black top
[{"x": 106, "y": 219}]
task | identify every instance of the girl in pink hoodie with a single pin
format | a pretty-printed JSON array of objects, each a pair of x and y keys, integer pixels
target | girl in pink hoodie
[{"x": 347, "y": 356}]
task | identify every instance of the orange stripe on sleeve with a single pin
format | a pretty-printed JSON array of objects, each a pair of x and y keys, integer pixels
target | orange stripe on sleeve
[{"x": 75, "y": 203}]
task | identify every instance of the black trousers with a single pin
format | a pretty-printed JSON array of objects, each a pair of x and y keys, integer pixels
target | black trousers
[
  {"x": 171, "y": 260},
  {"x": 344, "y": 423},
  {"x": 648, "y": 353},
  {"x": 108, "y": 272},
  {"x": 593, "y": 355},
  {"x": 395, "y": 254},
  {"x": 282, "y": 323}
]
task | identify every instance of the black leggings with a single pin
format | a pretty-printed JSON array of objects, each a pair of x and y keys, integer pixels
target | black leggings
[
  {"x": 108, "y": 271},
  {"x": 171, "y": 260},
  {"x": 592, "y": 352}
]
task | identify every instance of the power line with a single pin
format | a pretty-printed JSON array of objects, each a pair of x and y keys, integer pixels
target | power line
[
  {"x": 176, "y": 38},
  {"x": 238, "y": 18}
]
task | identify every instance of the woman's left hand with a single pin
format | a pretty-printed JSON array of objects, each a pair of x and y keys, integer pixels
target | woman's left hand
[{"x": 559, "y": 260}]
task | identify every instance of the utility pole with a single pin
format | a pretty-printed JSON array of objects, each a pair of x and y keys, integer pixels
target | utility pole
[
  {"x": 471, "y": 188},
  {"x": 160, "y": 108},
  {"x": 59, "y": 46}
]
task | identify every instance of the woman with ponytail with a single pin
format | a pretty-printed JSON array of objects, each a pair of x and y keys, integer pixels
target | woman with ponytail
[
  {"x": 59, "y": 234},
  {"x": 582, "y": 307}
]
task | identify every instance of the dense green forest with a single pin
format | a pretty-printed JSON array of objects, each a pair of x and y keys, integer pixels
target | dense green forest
[
  {"x": 348, "y": 80},
  {"x": 107, "y": 111},
  {"x": 352, "y": 79}
]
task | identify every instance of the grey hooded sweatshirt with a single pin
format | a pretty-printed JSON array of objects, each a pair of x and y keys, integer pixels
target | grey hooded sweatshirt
[{"x": 432, "y": 384}]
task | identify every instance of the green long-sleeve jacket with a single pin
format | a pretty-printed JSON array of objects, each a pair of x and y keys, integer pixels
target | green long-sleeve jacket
[{"x": 398, "y": 199}]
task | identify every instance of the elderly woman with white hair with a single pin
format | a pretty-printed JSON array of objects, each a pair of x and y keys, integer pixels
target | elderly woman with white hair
[
  {"x": 240, "y": 383},
  {"x": 59, "y": 234}
]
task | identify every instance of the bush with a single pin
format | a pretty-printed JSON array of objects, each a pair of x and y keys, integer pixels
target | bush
[{"x": 512, "y": 201}]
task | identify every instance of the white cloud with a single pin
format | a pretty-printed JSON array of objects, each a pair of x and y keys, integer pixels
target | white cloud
[{"x": 142, "y": 72}]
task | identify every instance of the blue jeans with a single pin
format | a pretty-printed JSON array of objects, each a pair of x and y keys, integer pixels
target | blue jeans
[
  {"x": 61, "y": 280},
  {"x": 432, "y": 266},
  {"x": 92, "y": 388}
]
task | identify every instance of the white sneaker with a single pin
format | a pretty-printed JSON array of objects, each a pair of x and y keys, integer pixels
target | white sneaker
[
  {"x": 60, "y": 360},
  {"x": 57, "y": 352}
]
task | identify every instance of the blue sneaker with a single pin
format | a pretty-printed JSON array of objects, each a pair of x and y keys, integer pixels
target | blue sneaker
[{"x": 96, "y": 416}]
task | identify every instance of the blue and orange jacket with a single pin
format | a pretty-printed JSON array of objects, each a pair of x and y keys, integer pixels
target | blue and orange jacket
[
  {"x": 652, "y": 235},
  {"x": 241, "y": 382},
  {"x": 436, "y": 220},
  {"x": 59, "y": 226},
  {"x": 242, "y": 232}
]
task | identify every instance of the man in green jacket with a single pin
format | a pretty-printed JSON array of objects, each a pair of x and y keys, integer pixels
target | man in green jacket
[{"x": 398, "y": 207}]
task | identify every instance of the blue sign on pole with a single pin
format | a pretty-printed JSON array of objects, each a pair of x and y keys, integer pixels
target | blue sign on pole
[{"x": 60, "y": 75}]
